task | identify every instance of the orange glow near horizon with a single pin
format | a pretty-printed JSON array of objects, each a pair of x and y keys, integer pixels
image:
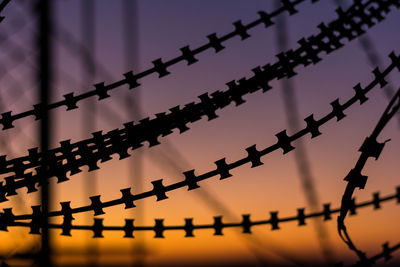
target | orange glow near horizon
[{"x": 275, "y": 186}]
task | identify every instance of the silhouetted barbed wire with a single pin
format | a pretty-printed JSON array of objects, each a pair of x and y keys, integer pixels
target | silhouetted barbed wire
[
  {"x": 373, "y": 57},
  {"x": 101, "y": 90},
  {"x": 77, "y": 49},
  {"x": 223, "y": 168},
  {"x": 103, "y": 228},
  {"x": 370, "y": 148},
  {"x": 117, "y": 141},
  {"x": 160, "y": 67},
  {"x": 8, "y": 219}
]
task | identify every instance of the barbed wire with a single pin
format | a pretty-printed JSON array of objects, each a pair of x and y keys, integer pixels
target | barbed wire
[
  {"x": 373, "y": 57},
  {"x": 223, "y": 168},
  {"x": 162, "y": 158},
  {"x": 370, "y": 148},
  {"x": 70, "y": 101},
  {"x": 70, "y": 157},
  {"x": 8, "y": 219},
  {"x": 3, "y": 4},
  {"x": 67, "y": 40},
  {"x": 159, "y": 228},
  {"x": 76, "y": 48}
]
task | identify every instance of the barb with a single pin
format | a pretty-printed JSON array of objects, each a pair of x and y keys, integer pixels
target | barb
[
  {"x": 160, "y": 67},
  {"x": 373, "y": 57},
  {"x": 8, "y": 219},
  {"x": 2, "y": 6},
  {"x": 370, "y": 148},
  {"x": 70, "y": 157},
  {"x": 222, "y": 167}
]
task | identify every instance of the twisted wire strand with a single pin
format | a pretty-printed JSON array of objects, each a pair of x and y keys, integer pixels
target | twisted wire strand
[
  {"x": 222, "y": 167},
  {"x": 370, "y": 148},
  {"x": 160, "y": 67},
  {"x": 70, "y": 157},
  {"x": 373, "y": 57},
  {"x": 8, "y": 219}
]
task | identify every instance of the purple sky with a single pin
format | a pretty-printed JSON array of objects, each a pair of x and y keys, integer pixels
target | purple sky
[{"x": 166, "y": 26}]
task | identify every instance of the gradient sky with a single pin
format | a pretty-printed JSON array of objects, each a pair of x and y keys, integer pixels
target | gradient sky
[{"x": 164, "y": 27}]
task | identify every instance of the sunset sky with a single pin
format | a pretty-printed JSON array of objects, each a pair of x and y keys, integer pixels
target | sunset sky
[{"x": 163, "y": 28}]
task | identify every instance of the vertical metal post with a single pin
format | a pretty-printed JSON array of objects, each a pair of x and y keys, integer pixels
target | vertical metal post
[{"x": 44, "y": 79}]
